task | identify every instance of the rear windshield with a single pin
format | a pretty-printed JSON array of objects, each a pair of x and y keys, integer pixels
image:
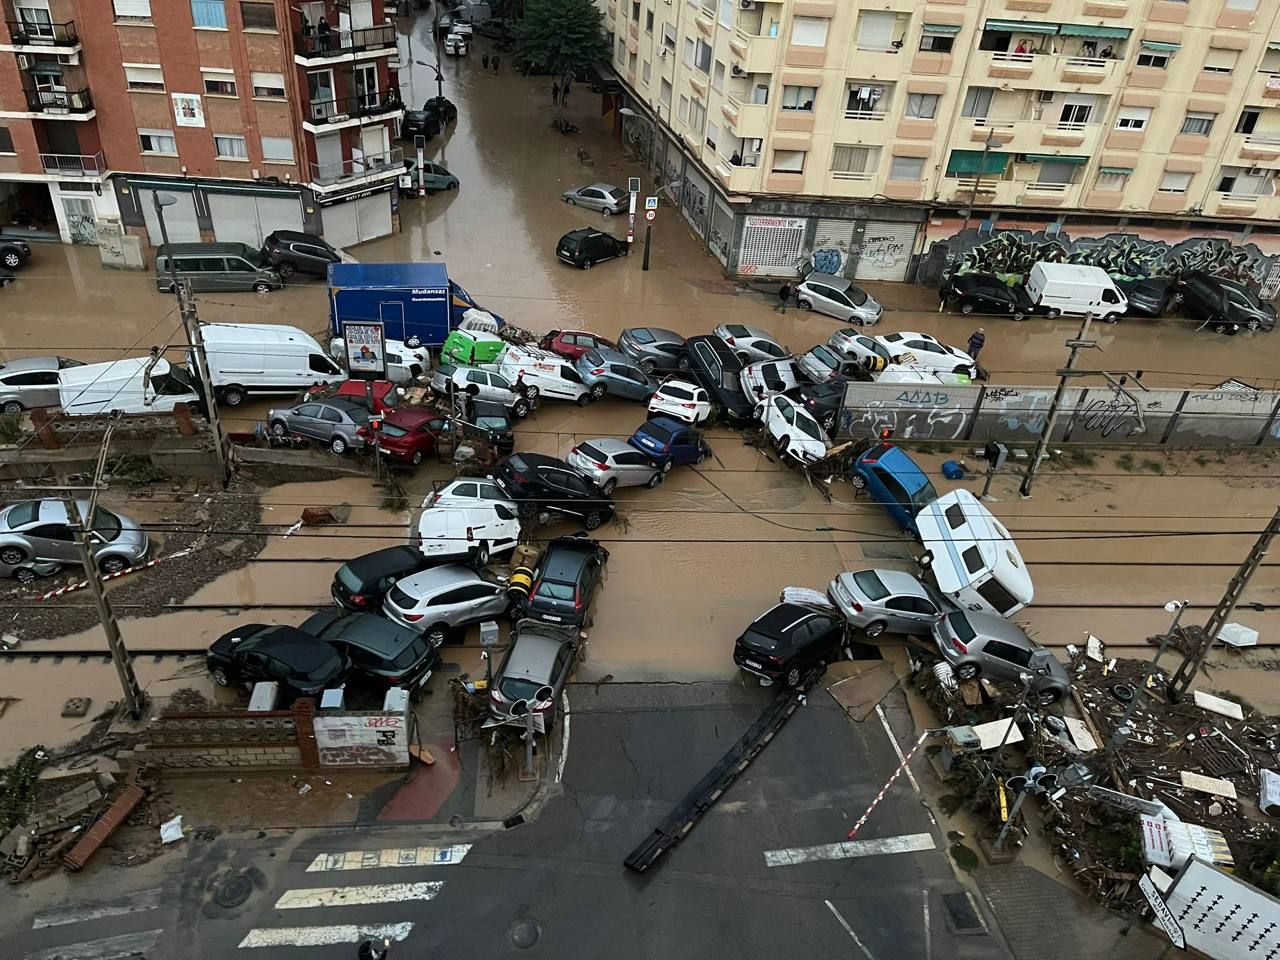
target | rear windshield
[
  {"x": 516, "y": 463},
  {"x": 858, "y": 297},
  {"x": 759, "y": 641},
  {"x": 870, "y": 584},
  {"x": 391, "y": 430},
  {"x": 640, "y": 335},
  {"x": 618, "y": 193},
  {"x": 661, "y": 434},
  {"x": 22, "y": 514},
  {"x": 593, "y": 358},
  {"x": 402, "y": 599},
  {"x": 518, "y": 688},
  {"x": 553, "y": 590},
  {"x": 736, "y": 330},
  {"x": 587, "y": 450},
  {"x": 960, "y": 627},
  {"x": 348, "y": 579},
  {"x": 411, "y": 654},
  {"x": 678, "y": 393}
]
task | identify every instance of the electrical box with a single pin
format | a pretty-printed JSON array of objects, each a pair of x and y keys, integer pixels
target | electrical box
[
  {"x": 396, "y": 700},
  {"x": 332, "y": 699},
  {"x": 995, "y": 453},
  {"x": 264, "y": 697}
]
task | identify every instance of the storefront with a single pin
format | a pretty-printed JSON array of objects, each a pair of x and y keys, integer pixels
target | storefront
[
  {"x": 772, "y": 246},
  {"x": 364, "y": 213},
  {"x": 219, "y": 210},
  {"x": 244, "y": 217}
]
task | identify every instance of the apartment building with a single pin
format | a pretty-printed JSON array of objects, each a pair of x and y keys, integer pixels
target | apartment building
[
  {"x": 252, "y": 114},
  {"x": 864, "y": 132}
]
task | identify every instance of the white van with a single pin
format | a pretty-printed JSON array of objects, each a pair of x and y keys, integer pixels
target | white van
[
  {"x": 475, "y": 533},
  {"x": 404, "y": 363},
  {"x": 545, "y": 374},
  {"x": 247, "y": 359},
  {"x": 1070, "y": 288},
  {"x": 972, "y": 557},
  {"x": 906, "y": 373},
  {"x": 136, "y": 385}
]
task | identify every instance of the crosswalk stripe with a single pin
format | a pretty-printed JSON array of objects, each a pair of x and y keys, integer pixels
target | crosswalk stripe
[
  {"x": 907, "y": 843},
  {"x": 321, "y": 936},
  {"x": 78, "y": 913},
  {"x": 110, "y": 948},
  {"x": 389, "y": 857},
  {"x": 358, "y": 894}
]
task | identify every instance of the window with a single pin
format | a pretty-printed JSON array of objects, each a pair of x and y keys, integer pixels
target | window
[
  {"x": 1133, "y": 119},
  {"x": 922, "y": 106},
  {"x": 977, "y": 102},
  {"x": 1075, "y": 113},
  {"x": 717, "y": 77},
  {"x": 788, "y": 161},
  {"x": 209, "y": 13},
  {"x": 1248, "y": 121},
  {"x": 648, "y": 21},
  {"x": 631, "y": 63},
  {"x": 267, "y": 84},
  {"x": 1242, "y": 4},
  {"x": 1149, "y": 58},
  {"x": 6, "y": 141},
  {"x": 697, "y": 115},
  {"x": 799, "y": 98},
  {"x": 635, "y": 10},
  {"x": 669, "y": 36},
  {"x": 646, "y": 71},
  {"x": 1220, "y": 62},
  {"x": 713, "y": 135},
  {"x": 664, "y": 92},
  {"x": 726, "y": 13},
  {"x": 1057, "y": 172},
  {"x": 876, "y": 29},
  {"x": 1112, "y": 181},
  {"x": 1197, "y": 124},
  {"x": 683, "y": 112},
  {"x": 907, "y": 168},
  {"x": 622, "y": 50},
  {"x": 132, "y": 9},
  {"x": 258, "y": 16},
  {"x": 690, "y": 51},
  {"x": 846, "y": 158},
  {"x": 938, "y": 42},
  {"x": 157, "y": 141},
  {"x": 809, "y": 31},
  {"x": 1173, "y": 182},
  {"x": 277, "y": 149},
  {"x": 144, "y": 77},
  {"x": 219, "y": 83},
  {"x": 703, "y": 57},
  {"x": 229, "y": 147}
]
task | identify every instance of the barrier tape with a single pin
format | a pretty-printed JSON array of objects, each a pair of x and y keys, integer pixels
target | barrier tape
[
  {"x": 889, "y": 783},
  {"x": 71, "y": 588}
]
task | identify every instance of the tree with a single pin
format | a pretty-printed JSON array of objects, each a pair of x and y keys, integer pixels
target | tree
[{"x": 563, "y": 37}]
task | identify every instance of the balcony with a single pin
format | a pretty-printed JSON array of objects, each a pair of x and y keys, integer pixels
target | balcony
[
  {"x": 324, "y": 116},
  {"x": 77, "y": 104},
  {"x": 1086, "y": 69},
  {"x": 1044, "y": 71},
  {"x": 747, "y": 120},
  {"x": 43, "y": 37},
  {"x": 1033, "y": 136},
  {"x": 337, "y": 45},
  {"x": 737, "y": 178},
  {"x": 1260, "y": 146},
  {"x": 844, "y": 183},
  {"x": 754, "y": 54},
  {"x": 1240, "y": 204},
  {"x": 369, "y": 168},
  {"x": 73, "y": 164},
  {"x": 992, "y": 191}
]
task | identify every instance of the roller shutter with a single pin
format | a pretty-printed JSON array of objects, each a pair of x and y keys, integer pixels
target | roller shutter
[
  {"x": 346, "y": 224},
  {"x": 831, "y": 245},
  {"x": 771, "y": 246},
  {"x": 179, "y": 219},
  {"x": 375, "y": 216},
  {"x": 244, "y": 218},
  {"x": 885, "y": 253},
  {"x": 721, "y": 236}
]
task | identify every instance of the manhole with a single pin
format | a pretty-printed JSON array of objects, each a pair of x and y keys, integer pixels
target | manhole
[
  {"x": 234, "y": 891},
  {"x": 524, "y": 933},
  {"x": 961, "y": 915}
]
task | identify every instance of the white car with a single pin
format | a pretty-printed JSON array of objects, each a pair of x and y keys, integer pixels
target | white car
[
  {"x": 922, "y": 350},
  {"x": 455, "y": 44},
  {"x": 474, "y": 533},
  {"x": 751, "y": 343},
  {"x": 821, "y": 364},
  {"x": 851, "y": 342},
  {"x": 896, "y": 373},
  {"x": 794, "y": 431},
  {"x": 682, "y": 400},
  {"x": 467, "y": 492},
  {"x": 837, "y": 297},
  {"x": 545, "y": 374},
  {"x": 767, "y": 377}
]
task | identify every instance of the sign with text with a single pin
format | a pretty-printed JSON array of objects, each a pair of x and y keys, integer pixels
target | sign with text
[
  {"x": 369, "y": 740},
  {"x": 366, "y": 349},
  {"x": 1164, "y": 916},
  {"x": 188, "y": 110}
]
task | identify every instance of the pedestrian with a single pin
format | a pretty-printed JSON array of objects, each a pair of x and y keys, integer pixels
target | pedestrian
[
  {"x": 369, "y": 950},
  {"x": 497, "y": 64},
  {"x": 484, "y": 61},
  {"x": 977, "y": 340},
  {"x": 784, "y": 294},
  {"x": 322, "y": 29},
  {"x": 555, "y": 91},
  {"x": 522, "y": 389}
]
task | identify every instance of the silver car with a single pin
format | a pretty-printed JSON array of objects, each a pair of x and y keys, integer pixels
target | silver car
[
  {"x": 837, "y": 297},
  {"x": 751, "y": 343},
  {"x": 604, "y": 197},
  {"x": 852, "y": 342},
  {"x": 981, "y": 644},
  {"x": 609, "y": 463},
  {"x": 821, "y": 364},
  {"x": 31, "y": 382},
  {"x": 340, "y": 424},
  {"x": 886, "y": 600},
  {"x": 614, "y": 373},
  {"x": 534, "y": 671},
  {"x": 435, "y": 601},
  {"x": 38, "y": 531},
  {"x": 764, "y": 379},
  {"x": 655, "y": 349}
]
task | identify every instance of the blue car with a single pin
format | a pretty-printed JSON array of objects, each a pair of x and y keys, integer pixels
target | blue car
[
  {"x": 669, "y": 442},
  {"x": 896, "y": 482}
]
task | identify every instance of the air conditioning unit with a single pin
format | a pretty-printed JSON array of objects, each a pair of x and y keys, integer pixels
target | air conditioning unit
[
  {"x": 747, "y": 4},
  {"x": 737, "y": 71},
  {"x": 23, "y": 62}
]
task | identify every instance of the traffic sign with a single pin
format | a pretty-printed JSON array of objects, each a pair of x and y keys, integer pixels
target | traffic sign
[
  {"x": 651, "y": 215},
  {"x": 1164, "y": 916},
  {"x": 651, "y": 203},
  {"x": 633, "y": 185}
]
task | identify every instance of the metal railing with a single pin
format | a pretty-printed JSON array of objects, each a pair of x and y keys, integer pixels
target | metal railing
[
  {"x": 330, "y": 173},
  {"x": 1263, "y": 140},
  {"x": 73, "y": 164},
  {"x": 28, "y": 34},
  {"x": 865, "y": 114},
  {"x": 338, "y": 42},
  {"x": 1037, "y": 186},
  {"x": 1086, "y": 63},
  {"x": 851, "y": 175},
  {"x": 59, "y": 101},
  {"x": 1250, "y": 199},
  {"x": 1020, "y": 58},
  {"x": 1072, "y": 126},
  {"x": 346, "y": 108}
]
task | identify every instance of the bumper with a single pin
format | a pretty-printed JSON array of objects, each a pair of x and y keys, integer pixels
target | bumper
[{"x": 756, "y": 668}]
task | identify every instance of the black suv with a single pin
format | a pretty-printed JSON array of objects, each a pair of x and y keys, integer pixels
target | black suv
[
  {"x": 822, "y": 400},
  {"x": 715, "y": 366},
  {"x": 443, "y": 109},
  {"x": 986, "y": 293},
  {"x": 419, "y": 123},
  {"x": 565, "y": 581},
  {"x": 537, "y": 482},
  {"x": 14, "y": 253},
  {"x": 492, "y": 422},
  {"x": 299, "y": 662},
  {"x": 1225, "y": 306},
  {"x": 360, "y": 584},
  {"x": 788, "y": 641},
  {"x": 291, "y": 252},
  {"x": 383, "y": 651},
  {"x": 585, "y": 247}
]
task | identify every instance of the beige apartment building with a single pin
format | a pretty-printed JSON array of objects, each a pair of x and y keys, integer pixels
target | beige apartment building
[{"x": 866, "y": 130}]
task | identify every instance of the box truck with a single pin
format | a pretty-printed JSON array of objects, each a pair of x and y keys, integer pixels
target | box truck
[{"x": 1071, "y": 288}]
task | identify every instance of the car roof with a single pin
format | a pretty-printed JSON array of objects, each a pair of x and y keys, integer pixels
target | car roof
[
  {"x": 778, "y": 620},
  {"x": 437, "y": 579},
  {"x": 28, "y": 364},
  {"x": 533, "y": 656},
  {"x": 541, "y": 460},
  {"x": 582, "y": 233},
  {"x": 384, "y": 561},
  {"x": 301, "y": 650},
  {"x": 755, "y": 332},
  {"x": 829, "y": 280},
  {"x": 299, "y": 236},
  {"x": 899, "y": 583},
  {"x": 609, "y": 445},
  {"x": 563, "y": 560},
  {"x": 375, "y": 634},
  {"x": 609, "y": 355},
  {"x": 660, "y": 334},
  {"x": 342, "y": 403},
  {"x": 899, "y": 463},
  {"x": 606, "y": 187},
  {"x": 669, "y": 424},
  {"x": 990, "y": 627}
]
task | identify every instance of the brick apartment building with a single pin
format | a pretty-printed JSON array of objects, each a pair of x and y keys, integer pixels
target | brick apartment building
[{"x": 247, "y": 111}]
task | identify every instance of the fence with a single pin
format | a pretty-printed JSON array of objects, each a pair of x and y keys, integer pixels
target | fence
[{"x": 1102, "y": 414}]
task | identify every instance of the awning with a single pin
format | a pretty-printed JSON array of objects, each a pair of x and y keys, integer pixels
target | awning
[
  {"x": 1160, "y": 47},
  {"x": 46, "y": 69},
  {"x": 964, "y": 162},
  {"x": 1274, "y": 46},
  {"x": 1102, "y": 33},
  {"x": 941, "y": 29},
  {"x": 1120, "y": 170},
  {"x": 1050, "y": 158},
  {"x": 1021, "y": 26}
]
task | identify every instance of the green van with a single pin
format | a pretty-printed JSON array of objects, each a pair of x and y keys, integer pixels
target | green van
[
  {"x": 471, "y": 348},
  {"x": 216, "y": 267}
]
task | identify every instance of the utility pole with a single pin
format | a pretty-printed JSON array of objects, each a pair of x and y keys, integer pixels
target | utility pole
[
  {"x": 195, "y": 343},
  {"x": 1051, "y": 421},
  {"x": 133, "y": 697},
  {"x": 1122, "y": 730},
  {"x": 1208, "y": 636}
]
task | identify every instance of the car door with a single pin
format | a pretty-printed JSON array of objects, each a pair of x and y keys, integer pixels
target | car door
[
  {"x": 904, "y": 615},
  {"x": 633, "y": 468},
  {"x": 1004, "y": 659},
  {"x": 893, "y": 495},
  {"x": 488, "y": 600},
  {"x": 331, "y": 423},
  {"x": 250, "y": 666},
  {"x": 53, "y": 541},
  {"x": 38, "y": 388},
  {"x": 569, "y": 490},
  {"x": 624, "y": 382},
  {"x": 506, "y": 527},
  {"x": 306, "y": 420}
]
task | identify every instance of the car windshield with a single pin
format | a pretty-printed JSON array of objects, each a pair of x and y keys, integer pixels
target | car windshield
[
  {"x": 961, "y": 627},
  {"x": 771, "y": 378},
  {"x": 411, "y": 654},
  {"x": 347, "y": 577},
  {"x": 640, "y": 335},
  {"x": 808, "y": 427},
  {"x": 856, "y": 297},
  {"x": 617, "y": 193},
  {"x": 870, "y": 584},
  {"x": 661, "y": 434},
  {"x": 391, "y": 430},
  {"x": 176, "y": 382},
  {"x": 105, "y": 524},
  {"x": 923, "y": 496},
  {"x": 22, "y": 514},
  {"x": 492, "y": 423},
  {"x": 877, "y": 348},
  {"x": 553, "y": 590},
  {"x": 518, "y": 688}
]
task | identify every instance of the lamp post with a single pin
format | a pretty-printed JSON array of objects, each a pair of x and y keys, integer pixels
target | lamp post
[
  {"x": 990, "y": 144},
  {"x": 439, "y": 75}
]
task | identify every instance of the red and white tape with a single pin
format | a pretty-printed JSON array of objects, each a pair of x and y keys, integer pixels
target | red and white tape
[
  {"x": 71, "y": 588},
  {"x": 888, "y": 783}
]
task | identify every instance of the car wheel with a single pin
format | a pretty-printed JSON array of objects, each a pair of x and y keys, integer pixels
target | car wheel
[
  {"x": 609, "y": 486},
  {"x": 1219, "y": 327},
  {"x": 528, "y": 509},
  {"x": 683, "y": 364},
  {"x": 666, "y": 466},
  {"x": 606, "y": 213},
  {"x": 701, "y": 458},
  {"x": 804, "y": 304},
  {"x": 586, "y": 264},
  {"x": 520, "y": 408},
  {"x": 233, "y": 396},
  {"x": 792, "y": 678},
  {"x": 220, "y": 677},
  {"x": 648, "y": 367},
  {"x": 875, "y": 628},
  {"x": 481, "y": 555},
  {"x": 654, "y": 480},
  {"x": 1049, "y": 696},
  {"x": 593, "y": 519},
  {"x": 262, "y": 287},
  {"x": 1053, "y": 313},
  {"x": 12, "y": 261},
  {"x": 967, "y": 671},
  {"x": 532, "y": 392},
  {"x": 24, "y": 575},
  {"x": 828, "y": 422},
  {"x": 12, "y": 407},
  {"x": 112, "y": 565},
  {"x": 437, "y": 634},
  {"x": 598, "y": 390},
  {"x": 287, "y": 270},
  {"x": 1019, "y": 316},
  {"x": 585, "y": 399},
  {"x": 783, "y": 445},
  {"x": 278, "y": 429},
  {"x": 858, "y": 481},
  {"x": 416, "y": 459},
  {"x": 472, "y": 389},
  {"x": 967, "y": 371},
  {"x": 338, "y": 445},
  {"x": 570, "y": 201},
  {"x": 12, "y": 555},
  {"x": 966, "y": 308}
]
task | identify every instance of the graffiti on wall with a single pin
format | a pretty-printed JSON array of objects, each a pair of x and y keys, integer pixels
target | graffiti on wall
[
  {"x": 832, "y": 255},
  {"x": 911, "y": 413}
]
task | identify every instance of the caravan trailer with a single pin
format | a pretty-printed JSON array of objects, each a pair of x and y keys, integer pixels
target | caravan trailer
[{"x": 973, "y": 559}]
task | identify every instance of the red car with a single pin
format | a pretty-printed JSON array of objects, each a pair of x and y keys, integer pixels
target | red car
[
  {"x": 384, "y": 399},
  {"x": 408, "y": 435},
  {"x": 574, "y": 343}
]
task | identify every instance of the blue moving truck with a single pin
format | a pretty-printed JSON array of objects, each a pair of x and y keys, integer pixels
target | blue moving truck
[{"x": 416, "y": 302}]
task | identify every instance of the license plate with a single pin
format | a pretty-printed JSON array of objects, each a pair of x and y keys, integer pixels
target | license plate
[
  {"x": 753, "y": 664},
  {"x": 547, "y": 616},
  {"x": 384, "y": 450}
]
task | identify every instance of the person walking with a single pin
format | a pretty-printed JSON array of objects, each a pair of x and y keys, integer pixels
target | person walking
[
  {"x": 555, "y": 91},
  {"x": 484, "y": 60},
  {"x": 784, "y": 294},
  {"x": 977, "y": 340},
  {"x": 497, "y": 64}
]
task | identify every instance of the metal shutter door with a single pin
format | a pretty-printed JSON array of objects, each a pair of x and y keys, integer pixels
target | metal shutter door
[
  {"x": 693, "y": 201},
  {"x": 831, "y": 245},
  {"x": 771, "y": 246},
  {"x": 886, "y": 250},
  {"x": 235, "y": 218},
  {"x": 721, "y": 236},
  {"x": 374, "y": 216},
  {"x": 341, "y": 228},
  {"x": 179, "y": 219},
  {"x": 279, "y": 213}
]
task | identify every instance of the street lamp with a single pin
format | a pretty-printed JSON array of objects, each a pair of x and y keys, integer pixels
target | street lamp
[
  {"x": 439, "y": 75},
  {"x": 991, "y": 143}
]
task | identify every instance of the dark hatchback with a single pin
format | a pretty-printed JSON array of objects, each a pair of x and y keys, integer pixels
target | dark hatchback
[
  {"x": 586, "y": 247},
  {"x": 491, "y": 421},
  {"x": 381, "y": 650},
  {"x": 300, "y": 663},
  {"x": 788, "y": 641},
  {"x": 822, "y": 400},
  {"x": 1225, "y": 306},
  {"x": 360, "y": 584},
  {"x": 1150, "y": 296},
  {"x": 419, "y": 123},
  {"x": 986, "y": 293},
  {"x": 565, "y": 581},
  {"x": 716, "y": 368},
  {"x": 536, "y": 481}
]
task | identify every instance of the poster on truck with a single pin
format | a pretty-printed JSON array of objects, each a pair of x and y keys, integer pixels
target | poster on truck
[{"x": 366, "y": 349}]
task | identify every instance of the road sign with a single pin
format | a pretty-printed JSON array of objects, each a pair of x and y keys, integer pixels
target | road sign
[
  {"x": 633, "y": 185},
  {"x": 1164, "y": 916},
  {"x": 651, "y": 203},
  {"x": 651, "y": 215}
]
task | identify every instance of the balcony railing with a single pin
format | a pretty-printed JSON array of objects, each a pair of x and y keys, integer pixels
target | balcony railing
[
  {"x": 1071, "y": 126},
  {"x": 851, "y": 175},
  {"x": 348, "y": 108},
  {"x": 27, "y": 34},
  {"x": 865, "y": 114},
  {"x": 1263, "y": 140},
  {"x": 59, "y": 101},
  {"x": 339, "y": 42},
  {"x": 373, "y": 163},
  {"x": 1019, "y": 58},
  {"x": 73, "y": 164},
  {"x": 1085, "y": 63},
  {"x": 1039, "y": 187}
]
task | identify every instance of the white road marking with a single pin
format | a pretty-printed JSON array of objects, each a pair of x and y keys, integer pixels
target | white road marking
[
  {"x": 359, "y": 894},
  {"x": 928, "y": 931},
  {"x": 850, "y": 850},
  {"x": 564, "y": 735},
  {"x": 848, "y": 929},
  {"x": 893, "y": 741},
  {"x": 389, "y": 857},
  {"x": 321, "y": 936},
  {"x": 131, "y": 903},
  {"x": 111, "y": 948}
]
